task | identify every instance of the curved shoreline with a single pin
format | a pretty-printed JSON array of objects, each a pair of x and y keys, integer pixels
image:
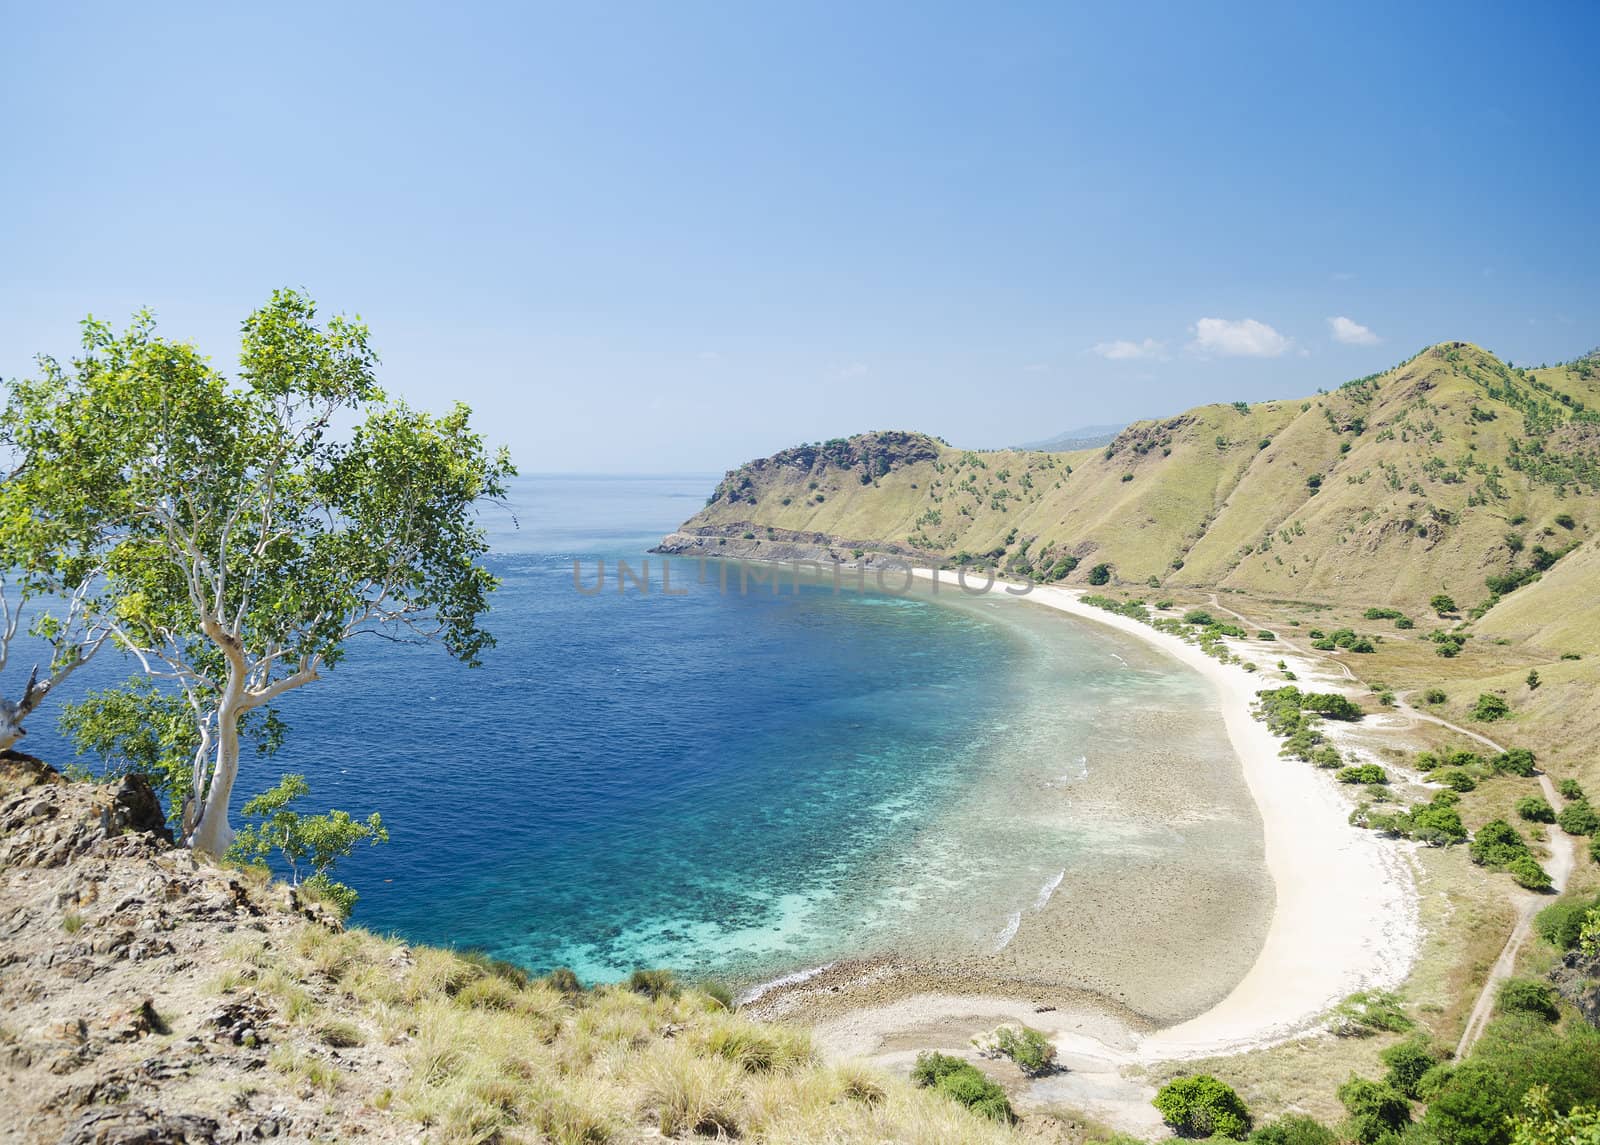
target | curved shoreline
[{"x": 1345, "y": 914}]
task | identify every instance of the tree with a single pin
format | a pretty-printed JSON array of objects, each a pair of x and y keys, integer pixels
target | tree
[
  {"x": 253, "y": 542},
  {"x": 1332, "y": 705},
  {"x": 1489, "y": 708},
  {"x": 1534, "y": 809},
  {"x": 1527, "y": 996},
  {"x": 311, "y": 842},
  {"x": 1407, "y": 1063},
  {"x": 1579, "y": 818},
  {"x": 1100, "y": 574},
  {"x": 138, "y": 728},
  {"x": 1540, "y": 1124},
  {"x": 1442, "y": 604},
  {"x": 1202, "y": 1106},
  {"x": 50, "y": 566},
  {"x": 1376, "y": 1109}
]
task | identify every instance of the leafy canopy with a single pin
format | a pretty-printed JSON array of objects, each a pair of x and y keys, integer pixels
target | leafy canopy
[{"x": 309, "y": 844}]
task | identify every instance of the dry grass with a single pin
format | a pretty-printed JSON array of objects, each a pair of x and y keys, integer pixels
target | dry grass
[{"x": 479, "y": 1053}]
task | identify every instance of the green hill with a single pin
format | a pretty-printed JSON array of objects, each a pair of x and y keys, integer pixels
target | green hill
[{"x": 1448, "y": 469}]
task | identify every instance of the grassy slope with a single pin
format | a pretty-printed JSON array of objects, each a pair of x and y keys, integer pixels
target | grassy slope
[
  {"x": 1417, "y": 490},
  {"x": 133, "y": 972}
]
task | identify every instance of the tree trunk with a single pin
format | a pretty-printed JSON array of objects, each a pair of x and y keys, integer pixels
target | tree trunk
[
  {"x": 214, "y": 836},
  {"x": 11, "y": 729}
]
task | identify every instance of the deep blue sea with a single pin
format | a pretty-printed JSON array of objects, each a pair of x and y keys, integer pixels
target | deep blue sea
[{"x": 727, "y": 783}]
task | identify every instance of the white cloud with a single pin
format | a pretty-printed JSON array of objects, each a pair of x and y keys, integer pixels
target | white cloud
[
  {"x": 1245, "y": 339},
  {"x": 1351, "y": 333},
  {"x": 1124, "y": 351}
]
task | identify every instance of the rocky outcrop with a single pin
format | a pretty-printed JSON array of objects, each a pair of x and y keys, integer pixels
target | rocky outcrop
[
  {"x": 1577, "y": 979},
  {"x": 869, "y": 455},
  {"x": 113, "y": 1028}
]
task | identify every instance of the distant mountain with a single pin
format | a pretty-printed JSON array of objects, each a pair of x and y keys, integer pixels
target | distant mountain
[{"x": 1084, "y": 437}]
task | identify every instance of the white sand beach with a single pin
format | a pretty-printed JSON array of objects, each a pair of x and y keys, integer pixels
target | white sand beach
[{"x": 1345, "y": 918}]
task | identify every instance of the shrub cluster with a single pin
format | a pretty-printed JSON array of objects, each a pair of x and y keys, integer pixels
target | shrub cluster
[
  {"x": 1368, "y": 1012},
  {"x": 962, "y": 1082},
  {"x": 1578, "y": 818},
  {"x": 1365, "y": 773},
  {"x": 1500, "y": 847},
  {"x": 1561, "y": 923},
  {"x": 1202, "y": 1106},
  {"x": 1345, "y": 638},
  {"x": 1535, "y": 810}
]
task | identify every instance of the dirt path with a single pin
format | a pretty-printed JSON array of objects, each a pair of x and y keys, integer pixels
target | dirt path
[{"x": 1562, "y": 851}]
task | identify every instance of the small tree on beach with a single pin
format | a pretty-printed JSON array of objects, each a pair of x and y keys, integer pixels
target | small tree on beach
[{"x": 252, "y": 543}]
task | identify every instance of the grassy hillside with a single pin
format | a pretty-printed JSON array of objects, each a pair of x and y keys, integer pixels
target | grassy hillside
[
  {"x": 1449, "y": 468},
  {"x": 152, "y": 997}
]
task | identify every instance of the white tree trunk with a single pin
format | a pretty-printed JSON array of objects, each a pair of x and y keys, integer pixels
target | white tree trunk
[
  {"x": 11, "y": 729},
  {"x": 214, "y": 836}
]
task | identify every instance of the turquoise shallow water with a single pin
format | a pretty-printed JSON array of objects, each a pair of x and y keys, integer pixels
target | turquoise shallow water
[{"x": 725, "y": 783}]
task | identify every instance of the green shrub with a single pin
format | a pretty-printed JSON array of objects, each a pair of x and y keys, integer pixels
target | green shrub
[
  {"x": 1473, "y": 1103},
  {"x": 1578, "y": 818},
  {"x": 1383, "y": 614},
  {"x": 1199, "y": 616},
  {"x": 1202, "y": 1106},
  {"x": 1405, "y": 622},
  {"x": 1560, "y": 923},
  {"x": 1376, "y": 1109},
  {"x": 1028, "y": 1047},
  {"x": 930, "y": 1067},
  {"x": 1367, "y": 1012},
  {"x": 1516, "y": 761},
  {"x": 1569, "y": 789},
  {"x": 1294, "y": 1129},
  {"x": 717, "y": 992},
  {"x": 1458, "y": 780},
  {"x": 1366, "y": 773},
  {"x": 1489, "y": 708},
  {"x": 1535, "y": 810},
  {"x": 1526, "y": 996},
  {"x": 1442, "y": 604},
  {"x": 1496, "y": 845},
  {"x": 1434, "y": 696},
  {"x": 1437, "y": 825},
  {"x": 1408, "y": 1063},
  {"x": 962, "y": 1082},
  {"x": 1332, "y": 705},
  {"x": 982, "y": 1096},
  {"x": 1100, "y": 574},
  {"x": 1525, "y": 869}
]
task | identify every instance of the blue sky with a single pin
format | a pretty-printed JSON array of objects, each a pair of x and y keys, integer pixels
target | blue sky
[{"x": 670, "y": 237}]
